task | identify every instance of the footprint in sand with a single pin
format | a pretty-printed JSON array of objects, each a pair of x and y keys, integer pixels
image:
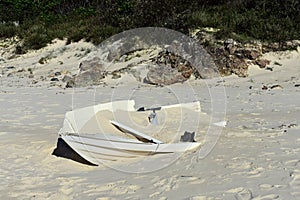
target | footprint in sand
[
  {"x": 255, "y": 172},
  {"x": 292, "y": 163},
  {"x": 154, "y": 195},
  {"x": 167, "y": 184},
  {"x": 266, "y": 187},
  {"x": 240, "y": 164},
  {"x": 201, "y": 198},
  {"x": 174, "y": 182},
  {"x": 267, "y": 197},
  {"x": 296, "y": 180},
  {"x": 241, "y": 193},
  {"x": 118, "y": 188},
  {"x": 295, "y": 183}
]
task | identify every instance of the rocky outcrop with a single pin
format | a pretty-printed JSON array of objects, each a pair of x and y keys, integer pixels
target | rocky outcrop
[
  {"x": 175, "y": 64},
  {"x": 90, "y": 73},
  {"x": 229, "y": 64},
  {"x": 262, "y": 63},
  {"x": 161, "y": 75},
  {"x": 169, "y": 68},
  {"x": 235, "y": 58},
  {"x": 149, "y": 58},
  {"x": 230, "y": 56},
  {"x": 176, "y": 58}
]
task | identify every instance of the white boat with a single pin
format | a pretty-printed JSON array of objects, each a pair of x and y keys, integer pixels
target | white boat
[{"x": 114, "y": 131}]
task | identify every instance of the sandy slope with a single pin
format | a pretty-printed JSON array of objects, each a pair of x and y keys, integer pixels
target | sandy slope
[{"x": 256, "y": 156}]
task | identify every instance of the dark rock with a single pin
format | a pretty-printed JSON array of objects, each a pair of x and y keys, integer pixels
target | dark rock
[
  {"x": 232, "y": 64},
  {"x": 292, "y": 125},
  {"x": 281, "y": 46},
  {"x": 238, "y": 66},
  {"x": 167, "y": 59},
  {"x": 57, "y": 74},
  {"x": 264, "y": 87},
  {"x": 251, "y": 54},
  {"x": 43, "y": 60},
  {"x": 159, "y": 75},
  {"x": 262, "y": 63},
  {"x": 34, "y": 81},
  {"x": 54, "y": 79},
  {"x": 116, "y": 75},
  {"x": 276, "y": 86},
  {"x": 233, "y": 57},
  {"x": 229, "y": 46},
  {"x": 228, "y": 64},
  {"x": 297, "y": 85},
  {"x": 91, "y": 72},
  {"x": 277, "y": 63},
  {"x": 188, "y": 137},
  {"x": 10, "y": 67},
  {"x": 70, "y": 84},
  {"x": 19, "y": 50},
  {"x": 30, "y": 76},
  {"x": 269, "y": 68},
  {"x": 186, "y": 71},
  {"x": 200, "y": 61},
  {"x": 87, "y": 65},
  {"x": 90, "y": 77},
  {"x": 30, "y": 70}
]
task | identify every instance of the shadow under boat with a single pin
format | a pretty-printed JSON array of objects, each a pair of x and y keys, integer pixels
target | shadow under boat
[{"x": 65, "y": 151}]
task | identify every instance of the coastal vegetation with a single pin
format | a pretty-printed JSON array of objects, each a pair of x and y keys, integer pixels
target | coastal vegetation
[{"x": 38, "y": 22}]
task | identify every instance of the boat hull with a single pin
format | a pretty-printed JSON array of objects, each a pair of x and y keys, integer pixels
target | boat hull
[
  {"x": 116, "y": 136},
  {"x": 99, "y": 148}
]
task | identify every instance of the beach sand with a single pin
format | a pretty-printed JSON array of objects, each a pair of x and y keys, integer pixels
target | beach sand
[{"x": 256, "y": 156}]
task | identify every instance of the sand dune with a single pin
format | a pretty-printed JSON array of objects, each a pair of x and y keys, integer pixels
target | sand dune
[{"x": 255, "y": 157}]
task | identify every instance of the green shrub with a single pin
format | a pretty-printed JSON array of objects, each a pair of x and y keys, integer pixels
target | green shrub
[
  {"x": 37, "y": 41},
  {"x": 36, "y": 36},
  {"x": 94, "y": 20},
  {"x": 8, "y": 30},
  {"x": 98, "y": 33}
]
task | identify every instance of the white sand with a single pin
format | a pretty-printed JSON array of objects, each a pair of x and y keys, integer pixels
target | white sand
[{"x": 257, "y": 156}]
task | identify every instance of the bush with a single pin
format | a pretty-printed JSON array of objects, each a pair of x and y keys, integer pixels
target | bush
[
  {"x": 98, "y": 34},
  {"x": 96, "y": 20},
  {"x": 264, "y": 20},
  {"x": 36, "y": 36},
  {"x": 36, "y": 41},
  {"x": 8, "y": 30}
]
